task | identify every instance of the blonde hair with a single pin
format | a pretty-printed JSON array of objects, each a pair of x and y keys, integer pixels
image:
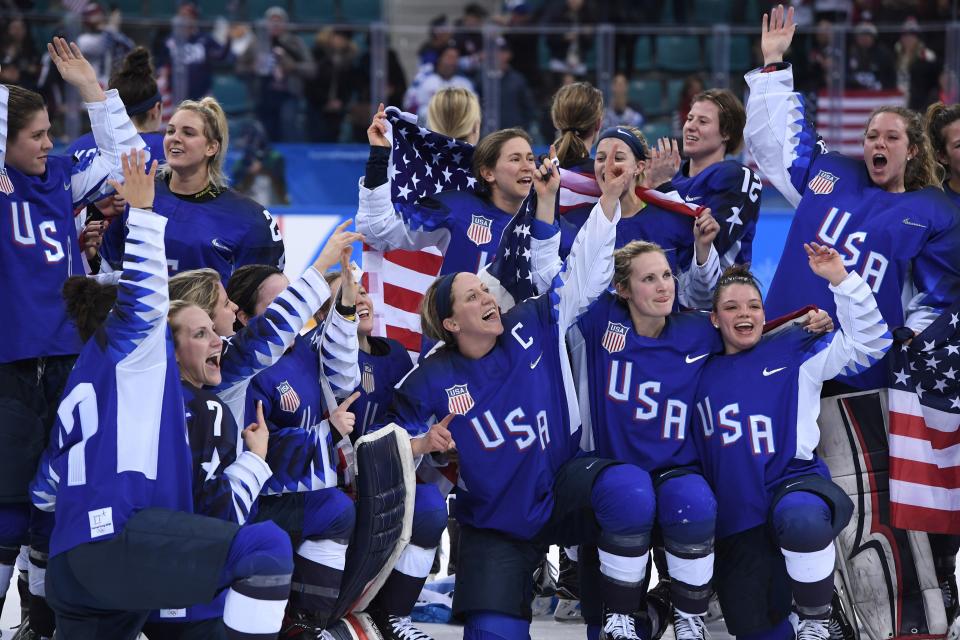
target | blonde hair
[
  {"x": 577, "y": 111},
  {"x": 215, "y": 129},
  {"x": 176, "y": 306},
  {"x": 454, "y": 112},
  {"x": 921, "y": 170},
  {"x": 623, "y": 261},
  {"x": 940, "y": 116},
  {"x": 198, "y": 287},
  {"x": 642, "y": 139}
]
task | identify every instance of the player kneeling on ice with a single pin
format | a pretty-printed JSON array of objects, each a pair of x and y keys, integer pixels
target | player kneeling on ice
[
  {"x": 495, "y": 387},
  {"x": 778, "y": 511}
]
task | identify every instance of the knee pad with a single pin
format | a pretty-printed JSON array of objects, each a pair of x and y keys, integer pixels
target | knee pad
[
  {"x": 429, "y": 516},
  {"x": 619, "y": 485},
  {"x": 495, "y": 626},
  {"x": 14, "y": 524},
  {"x": 802, "y": 521},
  {"x": 328, "y": 514},
  {"x": 259, "y": 549},
  {"x": 686, "y": 511}
]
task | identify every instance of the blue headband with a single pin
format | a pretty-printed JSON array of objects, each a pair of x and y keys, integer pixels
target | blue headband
[
  {"x": 143, "y": 107},
  {"x": 632, "y": 141},
  {"x": 444, "y": 304}
]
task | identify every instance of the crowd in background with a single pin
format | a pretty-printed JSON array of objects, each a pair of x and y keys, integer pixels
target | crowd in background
[{"x": 305, "y": 84}]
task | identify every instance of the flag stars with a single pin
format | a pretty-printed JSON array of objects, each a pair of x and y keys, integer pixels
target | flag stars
[
  {"x": 403, "y": 192},
  {"x": 471, "y": 181},
  {"x": 929, "y": 345},
  {"x": 954, "y": 319},
  {"x": 932, "y": 362},
  {"x": 955, "y": 403},
  {"x": 902, "y": 377},
  {"x": 953, "y": 350},
  {"x": 446, "y": 175},
  {"x": 950, "y": 373},
  {"x": 940, "y": 385},
  {"x": 392, "y": 172}
]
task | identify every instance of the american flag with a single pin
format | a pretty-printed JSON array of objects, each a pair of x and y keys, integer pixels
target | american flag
[
  {"x": 925, "y": 429},
  {"x": 424, "y": 163}
]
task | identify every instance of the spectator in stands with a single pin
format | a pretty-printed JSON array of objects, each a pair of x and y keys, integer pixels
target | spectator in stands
[
  {"x": 260, "y": 173},
  {"x": 444, "y": 74},
  {"x": 329, "y": 93},
  {"x": 692, "y": 86},
  {"x": 618, "y": 113},
  {"x": 568, "y": 50},
  {"x": 870, "y": 64},
  {"x": 101, "y": 42},
  {"x": 623, "y": 12},
  {"x": 817, "y": 64},
  {"x": 438, "y": 38},
  {"x": 917, "y": 67},
  {"x": 396, "y": 89},
  {"x": 517, "y": 106},
  {"x": 197, "y": 51},
  {"x": 19, "y": 60},
  {"x": 281, "y": 63},
  {"x": 468, "y": 36},
  {"x": 523, "y": 46}
]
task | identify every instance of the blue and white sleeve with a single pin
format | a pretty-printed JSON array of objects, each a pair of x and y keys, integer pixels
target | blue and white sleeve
[
  {"x": 115, "y": 135},
  {"x": 588, "y": 270},
  {"x": 695, "y": 288},
  {"x": 339, "y": 355},
  {"x": 264, "y": 341},
  {"x": 779, "y": 134},
  {"x": 136, "y": 328},
  {"x": 933, "y": 284},
  {"x": 387, "y": 226}
]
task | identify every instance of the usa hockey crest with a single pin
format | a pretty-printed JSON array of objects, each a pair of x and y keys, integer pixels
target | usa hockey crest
[
  {"x": 480, "y": 229},
  {"x": 823, "y": 182},
  {"x": 289, "y": 400},
  {"x": 615, "y": 337},
  {"x": 367, "y": 379},
  {"x": 459, "y": 400},
  {"x": 6, "y": 185}
]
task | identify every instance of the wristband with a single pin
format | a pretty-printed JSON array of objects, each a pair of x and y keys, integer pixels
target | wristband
[{"x": 775, "y": 66}]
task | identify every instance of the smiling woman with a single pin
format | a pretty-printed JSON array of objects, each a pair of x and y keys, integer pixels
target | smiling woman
[
  {"x": 210, "y": 224},
  {"x": 464, "y": 225}
]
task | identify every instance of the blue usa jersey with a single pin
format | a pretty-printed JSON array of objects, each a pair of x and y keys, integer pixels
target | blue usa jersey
[
  {"x": 904, "y": 245},
  {"x": 119, "y": 443},
  {"x": 84, "y": 149},
  {"x": 465, "y": 227},
  {"x": 639, "y": 396},
  {"x": 732, "y": 191},
  {"x": 513, "y": 427},
  {"x": 757, "y": 410},
  {"x": 220, "y": 230},
  {"x": 380, "y": 371},
  {"x": 41, "y": 249},
  {"x": 300, "y": 450},
  {"x": 225, "y": 484}
]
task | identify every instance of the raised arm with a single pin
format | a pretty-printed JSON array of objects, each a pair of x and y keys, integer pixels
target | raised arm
[
  {"x": 385, "y": 224},
  {"x": 863, "y": 337},
  {"x": 111, "y": 126},
  {"x": 779, "y": 133},
  {"x": 265, "y": 339}
]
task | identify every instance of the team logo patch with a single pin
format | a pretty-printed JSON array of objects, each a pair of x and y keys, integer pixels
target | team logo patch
[
  {"x": 459, "y": 400},
  {"x": 615, "y": 337},
  {"x": 6, "y": 185},
  {"x": 479, "y": 230},
  {"x": 289, "y": 400},
  {"x": 366, "y": 379},
  {"x": 823, "y": 182}
]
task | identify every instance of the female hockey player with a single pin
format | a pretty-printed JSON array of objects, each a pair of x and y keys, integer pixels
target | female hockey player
[
  {"x": 687, "y": 240},
  {"x": 118, "y": 470},
  {"x": 776, "y": 503},
  {"x": 899, "y": 231},
  {"x": 211, "y": 225},
  {"x": 291, "y": 395},
  {"x": 39, "y": 193},
  {"x": 496, "y": 382},
  {"x": 714, "y": 130},
  {"x": 577, "y": 113},
  {"x": 216, "y": 407},
  {"x": 465, "y": 226},
  {"x": 943, "y": 130}
]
